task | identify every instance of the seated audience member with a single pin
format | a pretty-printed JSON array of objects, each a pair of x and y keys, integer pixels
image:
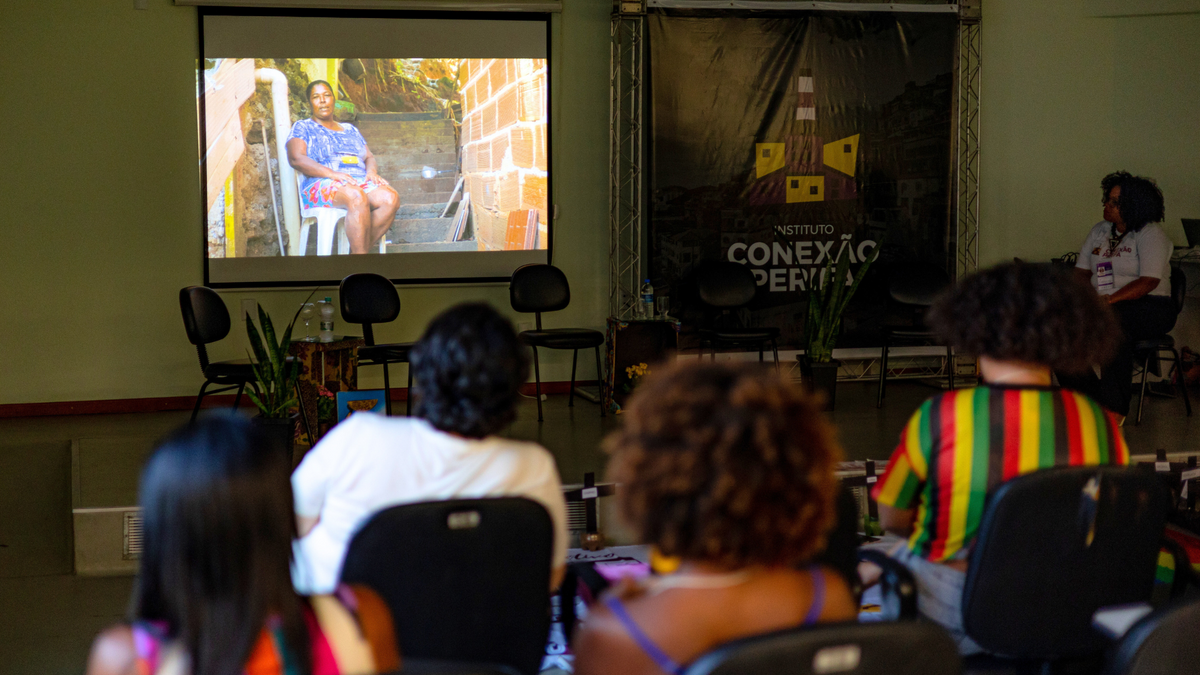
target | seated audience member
[
  {"x": 1127, "y": 259},
  {"x": 731, "y": 470},
  {"x": 214, "y": 594},
  {"x": 467, "y": 369},
  {"x": 1020, "y": 321}
]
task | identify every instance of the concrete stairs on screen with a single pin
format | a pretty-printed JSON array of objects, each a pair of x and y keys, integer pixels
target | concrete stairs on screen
[{"x": 404, "y": 144}]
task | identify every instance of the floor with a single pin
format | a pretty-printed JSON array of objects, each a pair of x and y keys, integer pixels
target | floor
[{"x": 48, "y": 616}]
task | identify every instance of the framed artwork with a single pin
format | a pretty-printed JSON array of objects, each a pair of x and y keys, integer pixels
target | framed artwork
[{"x": 366, "y": 400}]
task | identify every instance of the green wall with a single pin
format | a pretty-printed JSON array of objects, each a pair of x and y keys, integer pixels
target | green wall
[
  {"x": 1067, "y": 99},
  {"x": 101, "y": 223},
  {"x": 102, "y": 219}
]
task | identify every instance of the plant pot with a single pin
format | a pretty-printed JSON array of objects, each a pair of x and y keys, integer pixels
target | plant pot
[
  {"x": 281, "y": 431},
  {"x": 820, "y": 378}
]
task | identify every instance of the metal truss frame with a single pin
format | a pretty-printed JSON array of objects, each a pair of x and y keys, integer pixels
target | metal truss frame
[
  {"x": 626, "y": 157},
  {"x": 965, "y": 148},
  {"x": 627, "y": 196}
]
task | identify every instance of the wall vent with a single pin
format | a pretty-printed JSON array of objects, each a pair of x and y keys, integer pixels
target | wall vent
[
  {"x": 576, "y": 516},
  {"x": 132, "y": 535}
]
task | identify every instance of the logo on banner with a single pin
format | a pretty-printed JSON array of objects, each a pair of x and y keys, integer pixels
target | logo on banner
[{"x": 785, "y": 267}]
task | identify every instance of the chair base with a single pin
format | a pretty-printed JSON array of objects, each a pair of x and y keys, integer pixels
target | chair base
[
  {"x": 1153, "y": 353},
  {"x": 715, "y": 344},
  {"x": 891, "y": 335},
  {"x": 537, "y": 379}
]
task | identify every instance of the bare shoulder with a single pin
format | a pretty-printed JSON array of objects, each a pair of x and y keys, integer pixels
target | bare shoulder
[
  {"x": 839, "y": 602},
  {"x": 602, "y": 646},
  {"x": 113, "y": 653}
]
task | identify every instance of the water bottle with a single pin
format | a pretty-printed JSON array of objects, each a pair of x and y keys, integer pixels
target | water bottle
[
  {"x": 646, "y": 305},
  {"x": 327, "y": 312}
]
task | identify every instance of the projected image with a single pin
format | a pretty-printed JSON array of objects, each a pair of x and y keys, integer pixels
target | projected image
[{"x": 318, "y": 157}]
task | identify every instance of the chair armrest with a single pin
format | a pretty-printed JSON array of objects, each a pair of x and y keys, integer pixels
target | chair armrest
[{"x": 895, "y": 581}]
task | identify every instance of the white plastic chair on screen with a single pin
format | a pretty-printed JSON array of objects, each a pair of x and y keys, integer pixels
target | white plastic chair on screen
[{"x": 327, "y": 219}]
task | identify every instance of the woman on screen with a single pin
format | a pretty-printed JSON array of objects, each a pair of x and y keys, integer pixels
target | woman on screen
[{"x": 340, "y": 171}]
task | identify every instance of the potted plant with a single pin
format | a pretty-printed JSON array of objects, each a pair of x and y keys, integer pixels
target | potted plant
[
  {"x": 823, "y": 322},
  {"x": 275, "y": 380}
]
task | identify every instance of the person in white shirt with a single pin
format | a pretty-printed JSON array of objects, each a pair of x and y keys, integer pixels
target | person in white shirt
[
  {"x": 1127, "y": 259},
  {"x": 467, "y": 370}
]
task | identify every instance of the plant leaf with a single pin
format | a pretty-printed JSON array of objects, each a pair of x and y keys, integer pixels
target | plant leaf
[
  {"x": 255, "y": 340},
  {"x": 258, "y": 402},
  {"x": 268, "y": 330}
]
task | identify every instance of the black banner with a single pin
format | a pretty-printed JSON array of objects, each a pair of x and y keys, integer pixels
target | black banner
[{"x": 780, "y": 140}]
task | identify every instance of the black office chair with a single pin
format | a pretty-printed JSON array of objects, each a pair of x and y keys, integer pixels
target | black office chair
[
  {"x": 1054, "y": 546},
  {"x": 206, "y": 320},
  {"x": 543, "y": 288},
  {"x": 467, "y": 580},
  {"x": 1148, "y": 349},
  {"x": 436, "y": 667},
  {"x": 1164, "y": 642},
  {"x": 914, "y": 286},
  {"x": 728, "y": 286},
  {"x": 369, "y": 299},
  {"x": 902, "y": 648}
]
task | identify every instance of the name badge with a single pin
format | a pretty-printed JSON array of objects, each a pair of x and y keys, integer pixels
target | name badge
[
  {"x": 349, "y": 159},
  {"x": 1104, "y": 276}
]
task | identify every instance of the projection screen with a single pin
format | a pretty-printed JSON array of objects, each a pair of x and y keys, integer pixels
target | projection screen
[{"x": 416, "y": 146}]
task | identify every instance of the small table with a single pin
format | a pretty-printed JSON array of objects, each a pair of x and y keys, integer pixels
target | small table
[
  {"x": 332, "y": 366},
  {"x": 634, "y": 343}
]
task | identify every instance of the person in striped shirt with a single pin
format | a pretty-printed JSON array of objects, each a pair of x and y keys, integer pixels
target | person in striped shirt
[{"x": 1021, "y": 321}]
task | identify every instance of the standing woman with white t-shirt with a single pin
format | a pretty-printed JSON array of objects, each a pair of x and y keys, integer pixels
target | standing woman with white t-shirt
[{"x": 1127, "y": 259}]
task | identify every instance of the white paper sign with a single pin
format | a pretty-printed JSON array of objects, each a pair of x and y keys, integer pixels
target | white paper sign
[
  {"x": 590, "y": 493},
  {"x": 1190, "y": 474},
  {"x": 872, "y": 479},
  {"x": 1162, "y": 467}
]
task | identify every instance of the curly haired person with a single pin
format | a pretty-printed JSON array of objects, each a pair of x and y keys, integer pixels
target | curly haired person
[
  {"x": 1127, "y": 259},
  {"x": 467, "y": 370},
  {"x": 1021, "y": 321},
  {"x": 730, "y": 469}
]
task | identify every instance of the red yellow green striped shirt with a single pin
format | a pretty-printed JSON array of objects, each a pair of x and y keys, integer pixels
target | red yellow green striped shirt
[{"x": 961, "y": 445}]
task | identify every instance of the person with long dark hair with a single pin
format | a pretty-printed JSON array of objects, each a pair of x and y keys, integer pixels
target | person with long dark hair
[
  {"x": 214, "y": 593},
  {"x": 730, "y": 470},
  {"x": 468, "y": 369},
  {"x": 1127, "y": 259}
]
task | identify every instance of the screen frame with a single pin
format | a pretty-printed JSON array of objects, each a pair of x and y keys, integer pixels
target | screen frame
[{"x": 202, "y": 175}]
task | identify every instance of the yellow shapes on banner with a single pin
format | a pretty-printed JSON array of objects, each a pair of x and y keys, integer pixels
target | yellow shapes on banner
[
  {"x": 805, "y": 189},
  {"x": 768, "y": 157},
  {"x": 842, "y": 155}
]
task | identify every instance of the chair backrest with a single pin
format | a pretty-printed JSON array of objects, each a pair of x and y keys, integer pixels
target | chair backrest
[
  {"x": 439, "y": 667},
  {"x": 1053, "y": 547},
  {"x": 368, "y": 299},
  {"x": 883, "y": 648},
  {"x": 725, "y": 285},
  {"x": 917, "y": 283},
  {"x": 1178, "y": 287},
  {"x": 841, "y": 547},
  {"x": 205, "y": 317},
  {"x": 466, "y": 579},
  {"x": 1164, "y": 642},
  {"x": 538, "y": 288}
]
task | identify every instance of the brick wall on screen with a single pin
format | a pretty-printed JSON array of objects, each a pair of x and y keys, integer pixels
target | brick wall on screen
[{"x": 504, "y": 144}]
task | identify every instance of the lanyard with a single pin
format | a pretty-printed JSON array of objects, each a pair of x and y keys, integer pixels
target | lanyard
[{"x": 1114, "y": 241}]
